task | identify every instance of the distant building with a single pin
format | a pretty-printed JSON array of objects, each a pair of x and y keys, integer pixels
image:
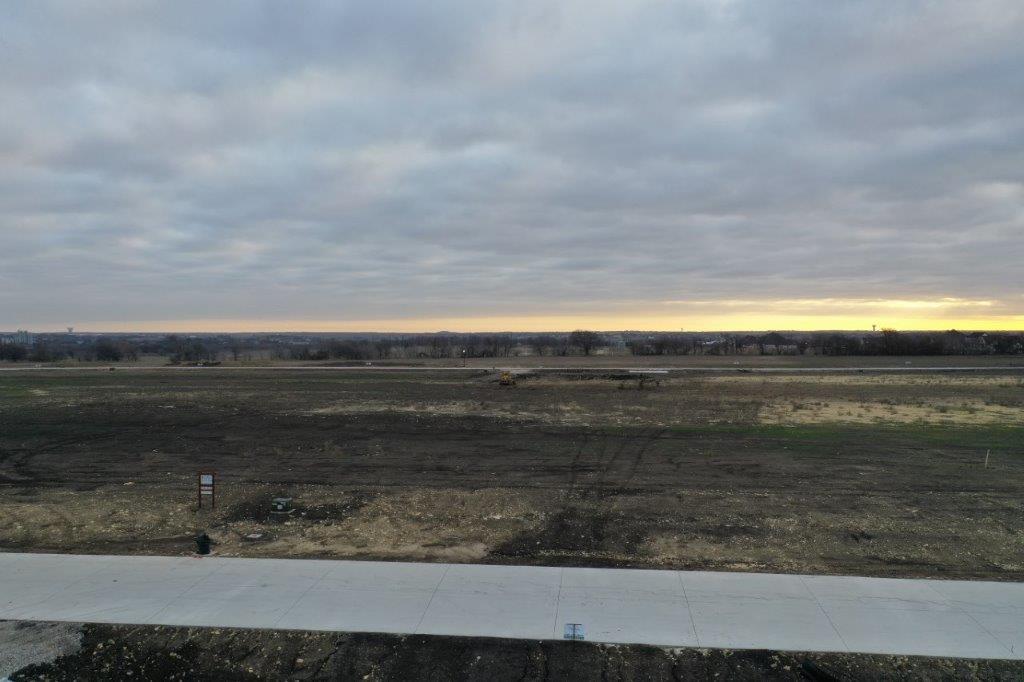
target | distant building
[
  {"x": 977, "y": 342},
  {"x": 616, "y": 341},
  {"x": 955, "y": 342},
  {"x": 774, "y": 343},
  {"x": 23, "y": 338}
]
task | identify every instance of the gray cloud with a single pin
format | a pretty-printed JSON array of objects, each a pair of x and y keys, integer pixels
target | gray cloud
[{"x": 381, "y": 160}]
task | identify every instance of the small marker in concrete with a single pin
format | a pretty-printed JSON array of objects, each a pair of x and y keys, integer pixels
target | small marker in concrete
[{"x": 575, "y": 631}]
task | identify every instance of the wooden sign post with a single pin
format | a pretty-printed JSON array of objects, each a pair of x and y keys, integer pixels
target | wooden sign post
[{"x": 207, "y": 488}]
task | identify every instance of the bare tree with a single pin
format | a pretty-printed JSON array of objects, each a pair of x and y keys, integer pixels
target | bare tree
[
  {"x": 584, "y": 340},
  {"x": 891, "y": 340}
]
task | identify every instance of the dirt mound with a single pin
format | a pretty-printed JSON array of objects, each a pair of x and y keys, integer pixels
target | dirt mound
[
  {"x": 576, "y": 532},
  {"x": 258, "y": 509}
]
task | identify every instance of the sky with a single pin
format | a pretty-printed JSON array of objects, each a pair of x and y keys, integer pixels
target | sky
[{"x": 526, "y": 165}]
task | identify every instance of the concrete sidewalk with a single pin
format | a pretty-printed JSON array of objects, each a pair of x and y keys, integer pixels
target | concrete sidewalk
[{"x": 673, "y": 608}]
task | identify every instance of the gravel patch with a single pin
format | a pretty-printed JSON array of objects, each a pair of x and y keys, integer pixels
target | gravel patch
[{"x": 23, "y": 643}]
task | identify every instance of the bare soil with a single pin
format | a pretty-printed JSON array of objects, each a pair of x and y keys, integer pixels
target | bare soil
[
  {"x": 873, "y": 474},
  {"x": 223, "y": 655}
]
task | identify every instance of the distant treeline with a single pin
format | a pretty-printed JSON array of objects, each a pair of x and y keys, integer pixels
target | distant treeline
[{"x": 205, "y": 348}]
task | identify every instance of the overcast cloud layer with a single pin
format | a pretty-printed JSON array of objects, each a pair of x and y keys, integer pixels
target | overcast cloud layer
[{"x": 180, "y": 161}]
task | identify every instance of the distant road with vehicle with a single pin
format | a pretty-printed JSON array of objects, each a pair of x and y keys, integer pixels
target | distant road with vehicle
[{"x": 532, "y": 368}]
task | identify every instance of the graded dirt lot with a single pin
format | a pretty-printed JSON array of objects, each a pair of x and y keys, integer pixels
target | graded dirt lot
[{"x": 868, "y": 473}]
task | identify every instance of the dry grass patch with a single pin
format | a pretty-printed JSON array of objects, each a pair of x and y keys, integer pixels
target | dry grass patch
[
  {"x": 565, "y": 413},
  {"x": 1003, "y": 381},
  {"x": 432, "y": 525},
  {"x": 961, "y": 412},
  {"x": 106, "y": 516}
]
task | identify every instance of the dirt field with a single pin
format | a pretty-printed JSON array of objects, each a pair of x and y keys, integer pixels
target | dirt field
[
  {"x": 224, "y": 654},
  {"x": 870, "y": 474}
]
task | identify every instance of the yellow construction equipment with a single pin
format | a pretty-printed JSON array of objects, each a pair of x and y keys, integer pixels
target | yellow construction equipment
[{"x": 507, "y": 379}]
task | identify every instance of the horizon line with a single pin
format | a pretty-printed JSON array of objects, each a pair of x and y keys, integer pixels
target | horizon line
[{"x": 993, "y": 330}]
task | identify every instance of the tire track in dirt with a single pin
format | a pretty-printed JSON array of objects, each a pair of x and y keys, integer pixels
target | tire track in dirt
[
  {"x": 647, "y": 443},
  {"x": 640, "y": 445},
  {"x": 19, "y": 460},
  {"x": 609, "y": 464},
  {"x": 574, "y": 464}
]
